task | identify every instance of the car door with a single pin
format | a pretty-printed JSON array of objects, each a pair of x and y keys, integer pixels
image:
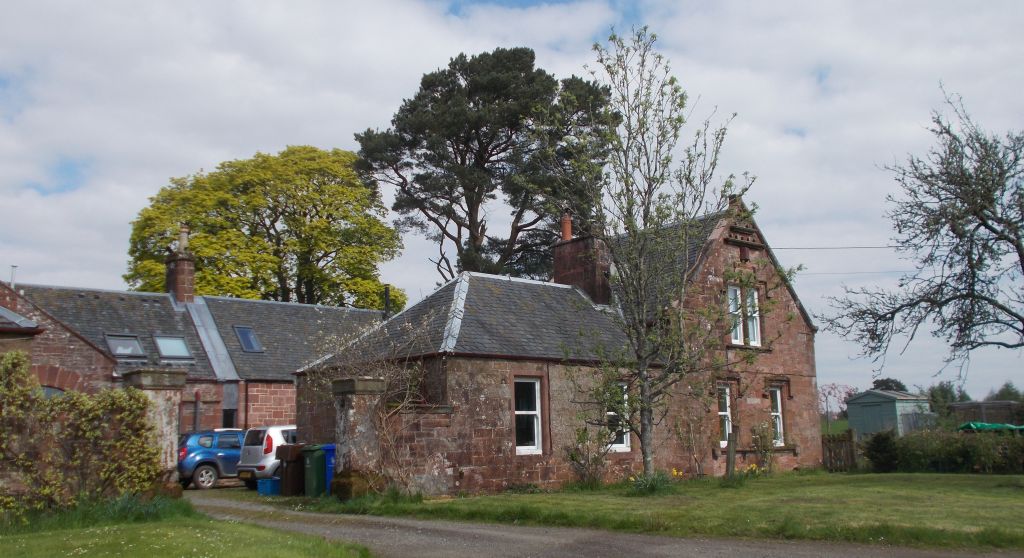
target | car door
[{"x": 229, "y": 450}]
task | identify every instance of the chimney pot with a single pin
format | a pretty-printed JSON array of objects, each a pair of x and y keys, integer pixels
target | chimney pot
[
  {"x": 183, "y": 239},
  {"x": 566, "y": 226}
]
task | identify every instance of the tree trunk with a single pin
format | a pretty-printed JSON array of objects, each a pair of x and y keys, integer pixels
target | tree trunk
[
  {"x": 730, "y": 455},
  {"x": 646, "y": 425}
]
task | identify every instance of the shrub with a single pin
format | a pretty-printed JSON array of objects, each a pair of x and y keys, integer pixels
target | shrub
[
  {"x": 61, "y": 452},
  {"x": 880, "y": 450},
  {"x": 956, "y": 452},
  {"x": 658, "y": 483},
  {"x": 587, "y": 456}
]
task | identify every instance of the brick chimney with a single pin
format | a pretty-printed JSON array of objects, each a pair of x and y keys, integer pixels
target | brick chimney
[
  {"x": 181, "y": 270},
  {"x": 583, "y": 263}
]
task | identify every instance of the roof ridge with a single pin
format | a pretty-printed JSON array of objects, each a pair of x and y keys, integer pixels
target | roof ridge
[
  {"x": 509, "y": 278},
  {"x": 289, "y": 303},
  {"x": 93, "y": 289},
  {"x": 453, "y": 324}
]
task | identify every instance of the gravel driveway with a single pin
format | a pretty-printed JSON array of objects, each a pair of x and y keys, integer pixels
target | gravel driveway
[{"x": 400, "y": 537}]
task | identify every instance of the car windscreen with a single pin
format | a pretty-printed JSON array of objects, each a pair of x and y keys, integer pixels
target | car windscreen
[{"x": 254, "y": 438}]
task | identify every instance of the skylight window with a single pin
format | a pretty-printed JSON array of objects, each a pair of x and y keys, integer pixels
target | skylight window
[
  {"x": 125, "y": 346},
  {"x": 172, "y": 347},
  {"x": 247, "y": 337}
]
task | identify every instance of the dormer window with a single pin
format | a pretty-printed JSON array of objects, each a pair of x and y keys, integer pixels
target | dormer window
[
  {"x": 247, "y": 337},
  {"x": 125, "y": 346},
  {"x": 172, "y": 347}
]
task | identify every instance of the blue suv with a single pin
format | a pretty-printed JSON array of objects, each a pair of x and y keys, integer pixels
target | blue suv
[{"x": 205, "y": 456}]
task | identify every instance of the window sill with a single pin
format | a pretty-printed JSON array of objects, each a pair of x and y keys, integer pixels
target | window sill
[
  {"x": 619, "y": 449},
  {"x": 757, "y": 348},
  {"x": 528, "y": 451}
]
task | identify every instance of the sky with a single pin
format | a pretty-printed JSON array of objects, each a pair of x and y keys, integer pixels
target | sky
[{"x": 102, "y": 102}]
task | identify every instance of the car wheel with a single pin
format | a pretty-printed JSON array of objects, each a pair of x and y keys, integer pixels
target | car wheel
[
  {"x": 250, "y": 484},
  {"x": 205, "y": 477}
]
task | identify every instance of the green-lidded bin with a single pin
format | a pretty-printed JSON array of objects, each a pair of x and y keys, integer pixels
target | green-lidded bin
[{"x": 315, "y": 470}]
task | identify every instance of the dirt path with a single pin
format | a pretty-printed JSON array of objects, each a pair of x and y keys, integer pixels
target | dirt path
[{"x": 399, "y": 537}]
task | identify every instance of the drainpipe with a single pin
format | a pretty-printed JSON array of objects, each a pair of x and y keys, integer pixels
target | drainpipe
[{"x": 198, "y": 413}]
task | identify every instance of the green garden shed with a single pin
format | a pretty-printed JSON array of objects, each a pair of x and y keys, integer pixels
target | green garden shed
[{"x": 878, "y": 410}]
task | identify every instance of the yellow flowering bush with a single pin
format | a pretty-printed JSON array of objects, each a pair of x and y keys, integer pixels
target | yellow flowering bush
[{"x": 62, "y": 451}]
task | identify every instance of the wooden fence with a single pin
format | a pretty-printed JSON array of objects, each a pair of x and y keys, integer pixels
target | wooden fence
[{"x": 837, "y": 451}]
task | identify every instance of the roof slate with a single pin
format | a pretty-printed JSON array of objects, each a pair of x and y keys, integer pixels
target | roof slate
[
  {"x": 492, "y": 315},
  {"x": 94, "y": 314},
  {"x": 292, "y": 334}
]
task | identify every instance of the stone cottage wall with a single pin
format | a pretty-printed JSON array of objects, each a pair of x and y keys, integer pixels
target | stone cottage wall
[
  {"x": 60, "y": 358},
  {"x": 267, "y": 403}
]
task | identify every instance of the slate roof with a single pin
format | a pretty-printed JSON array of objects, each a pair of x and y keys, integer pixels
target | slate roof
[
  {"x": 291, "y": 334},
  {"x": 94, "y": 314},
  {"x": 491, "y": 315}
]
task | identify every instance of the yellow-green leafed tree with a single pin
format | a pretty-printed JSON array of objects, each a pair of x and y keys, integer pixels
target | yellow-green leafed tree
[{"x": 299, "y": 226}]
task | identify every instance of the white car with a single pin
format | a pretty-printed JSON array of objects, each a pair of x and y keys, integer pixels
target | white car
[{"x": 259, "y": 452}]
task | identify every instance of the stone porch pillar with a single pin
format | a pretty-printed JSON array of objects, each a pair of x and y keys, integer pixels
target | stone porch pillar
[
  {"x": 163, "y": 388},
  {"x": 357, "y": 451}
]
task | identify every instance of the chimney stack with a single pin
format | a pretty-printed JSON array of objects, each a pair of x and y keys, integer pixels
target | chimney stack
[
  {"x": 582, "y": 262},
  {"x": 181, "y": 270}
]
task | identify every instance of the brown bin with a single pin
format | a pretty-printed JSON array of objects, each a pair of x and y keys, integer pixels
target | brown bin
[{"x": 293, "y": 478}]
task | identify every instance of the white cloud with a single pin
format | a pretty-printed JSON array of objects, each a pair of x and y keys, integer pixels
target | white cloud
[{"x": 826, "y": 93}]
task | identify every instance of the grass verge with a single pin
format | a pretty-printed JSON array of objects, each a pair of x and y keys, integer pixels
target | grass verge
[
  {"x": 158, "y": 527},
  {"x": 925, "y": 510}
]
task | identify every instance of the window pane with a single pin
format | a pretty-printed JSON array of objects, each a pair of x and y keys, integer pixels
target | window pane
[
  {"x": 777, "y": 429},
  {"x": 206, "y": 441},
  {"x": 619, "y": 435},
  {"x": 723, "y": 400},
  {"x": 172, "y": 347},
  {"x": 526, "y": 396},
  {"x": 753, "y": 319},
  {"x": 50, "y": 392},
  {"x": 735, "y": 316},
  {"x": 254, "y": 437},
  {"x": 247, "y": 337},
  {"x": 526, "y": 430},
  {"x": 776, "y": 403},
  {"x": 228, "y": 441},
  {"x": 723, "y": 426},
  {"x": 124, "y": 346}
]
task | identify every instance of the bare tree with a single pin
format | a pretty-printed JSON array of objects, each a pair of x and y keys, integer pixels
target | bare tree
[
  {"x": 653, "y": 213},
  {"x": 960, "y": 219}
]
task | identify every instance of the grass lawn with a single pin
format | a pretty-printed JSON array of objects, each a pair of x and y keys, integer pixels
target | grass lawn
[
  {"x": 904, "y": 509},
  {"x": 835, "y": 426},
  {"x": 179, "y": 531}
]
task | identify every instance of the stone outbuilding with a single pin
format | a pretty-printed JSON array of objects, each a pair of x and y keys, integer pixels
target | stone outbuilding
[{"x": 501, "y": 358}]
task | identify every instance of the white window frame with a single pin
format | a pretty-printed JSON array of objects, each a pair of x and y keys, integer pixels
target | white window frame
[
  {"x": 745, "y": 316},
  {"x": 723, "y": 437},
  {"x": 538, "y": 447},
  {"x": 779, "y": 434},
  {"x": 626, "y": 434}
]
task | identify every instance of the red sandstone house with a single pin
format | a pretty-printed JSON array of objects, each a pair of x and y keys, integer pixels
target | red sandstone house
[
  {"x": 498, "y": 351},
  {"x": 237, "y": 355}
]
